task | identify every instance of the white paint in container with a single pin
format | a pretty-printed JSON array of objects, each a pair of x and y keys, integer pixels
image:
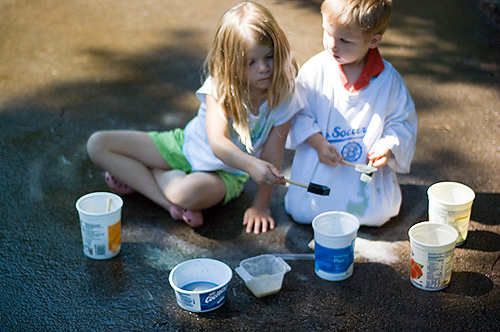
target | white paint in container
[
  {"x": 100, "y": 222},
  {"x": 432, "y": 250}
]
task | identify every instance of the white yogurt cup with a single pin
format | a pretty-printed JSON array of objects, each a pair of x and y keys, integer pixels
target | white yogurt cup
[
  {"x": 100, "y": 222},
  {"x": 334, "y": 236},
  {"x": 432, "y": 249},
  {"x": 451, "y": 203}
]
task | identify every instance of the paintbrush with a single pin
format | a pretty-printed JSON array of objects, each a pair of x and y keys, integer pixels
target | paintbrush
[
  {"x": 367, "y": 176},
  {"x": 108, "y": 205},
  {"x": 361, "y": 168},
  {"x": 313, "y": 188}
]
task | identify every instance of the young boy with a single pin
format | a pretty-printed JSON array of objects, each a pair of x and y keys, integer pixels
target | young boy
[{"x": 357, "y": 109}]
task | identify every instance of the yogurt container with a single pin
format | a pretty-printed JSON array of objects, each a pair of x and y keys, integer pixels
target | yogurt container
[{"x": 201, "y": 284}]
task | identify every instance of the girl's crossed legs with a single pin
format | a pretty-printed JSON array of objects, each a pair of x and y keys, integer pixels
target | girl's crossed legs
[{"x": 133, "y": 158}]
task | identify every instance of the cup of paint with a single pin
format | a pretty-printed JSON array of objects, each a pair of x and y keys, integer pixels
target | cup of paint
[
  {"x": 451, "y": 203},
  {"x": 201, "y": 284},
  {"x": 432, "y": 248},
  {"x": 334, "y": 236},
  {"x": 100, "y": 222}
]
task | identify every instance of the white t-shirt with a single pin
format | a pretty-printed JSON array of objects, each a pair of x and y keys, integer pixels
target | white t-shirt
[
  {"x": 197, "y": 148},
  {"x": 381, "y": 115}
]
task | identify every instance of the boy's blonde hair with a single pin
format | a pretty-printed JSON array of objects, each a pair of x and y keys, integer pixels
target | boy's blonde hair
[
  {"x": 372, "y": 16},
  {"x": 240, "y": 27}
]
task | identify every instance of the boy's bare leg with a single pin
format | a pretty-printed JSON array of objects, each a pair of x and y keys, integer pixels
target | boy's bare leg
[{"x": 129, "y": 156}]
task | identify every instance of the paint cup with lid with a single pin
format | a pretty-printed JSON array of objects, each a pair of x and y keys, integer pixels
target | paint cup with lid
[{"x": 100, "y": 222}]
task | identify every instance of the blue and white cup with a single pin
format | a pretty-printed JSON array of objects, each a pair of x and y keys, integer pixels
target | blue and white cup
[
  {"x": 334, "y": 236},
  {"x": 200, "y": 284}
]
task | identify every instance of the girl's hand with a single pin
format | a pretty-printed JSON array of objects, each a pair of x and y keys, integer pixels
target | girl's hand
[
  {"x": 265, "y": 173},
  {"x": 258, "y": 219},
  {"x": 380, "y": 157}
]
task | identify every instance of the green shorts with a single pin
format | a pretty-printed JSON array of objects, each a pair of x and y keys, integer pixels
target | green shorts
[{"x": 169, "y": 144}]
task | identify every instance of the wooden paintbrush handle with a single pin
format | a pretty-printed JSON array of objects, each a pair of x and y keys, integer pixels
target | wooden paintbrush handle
[
  {"x": 348, "y": 163},
  {"x": 296, "y": 183}
]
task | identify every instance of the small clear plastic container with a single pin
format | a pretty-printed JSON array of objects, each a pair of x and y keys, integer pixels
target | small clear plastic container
[{"x": 263, "y": 274}]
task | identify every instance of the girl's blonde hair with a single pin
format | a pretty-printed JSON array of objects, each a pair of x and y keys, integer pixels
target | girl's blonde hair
[
  {"x": 372, "y": 16},
  {"x": 240, "y": 27}
]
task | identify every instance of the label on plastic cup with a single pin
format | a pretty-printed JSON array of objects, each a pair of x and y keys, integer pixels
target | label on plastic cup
[
  {"x": 334, "y": 236},
  {"x": 451, "y": 203},
  {"x": 432, "y": 249},
  {"x": 200, "y": 285},
  {"x": 334, "y": 261},
  {"x": 100, "y": 222}
]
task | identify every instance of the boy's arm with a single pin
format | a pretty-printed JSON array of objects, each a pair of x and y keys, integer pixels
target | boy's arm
[
  {"x": 327, "y": 153},
  {"x": 258, "y": 216},
  {"x": 304, "y": 123},
  {"x": 400, "y": 132}
]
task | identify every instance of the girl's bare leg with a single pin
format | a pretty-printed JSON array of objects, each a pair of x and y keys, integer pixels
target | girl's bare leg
[
  {"x": 129, "y": 156},
  {"x": 132, "y": 158},
  {"x": 194, "y": 191}
]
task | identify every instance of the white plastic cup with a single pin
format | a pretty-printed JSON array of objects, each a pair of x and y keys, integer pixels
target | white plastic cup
[
  {"x": 451, "y": 203},
  {"x": 334, "y": 236},
  {"x": 432, "y": 248},
  {"x": 100, "y": 222}
]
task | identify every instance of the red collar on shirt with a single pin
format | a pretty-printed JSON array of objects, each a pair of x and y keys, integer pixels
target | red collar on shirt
[{"x": 373, "y": 66}]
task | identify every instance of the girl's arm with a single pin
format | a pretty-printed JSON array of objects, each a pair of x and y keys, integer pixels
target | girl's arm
[
  {"x": 262, "y": 172},
  {"x": 258, "y": 216}
]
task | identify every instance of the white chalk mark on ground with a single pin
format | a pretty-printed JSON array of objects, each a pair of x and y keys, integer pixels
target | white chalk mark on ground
[{"x": 376, "y": 251}]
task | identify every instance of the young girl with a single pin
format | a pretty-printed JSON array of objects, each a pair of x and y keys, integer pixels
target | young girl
[{"x": 247, "y": 102}]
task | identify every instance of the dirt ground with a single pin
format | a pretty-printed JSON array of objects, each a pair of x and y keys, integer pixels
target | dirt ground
[{"x": 69, "y": 68}]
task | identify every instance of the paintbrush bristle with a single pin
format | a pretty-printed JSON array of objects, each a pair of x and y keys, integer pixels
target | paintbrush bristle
[{"x": 318, "y": 189}]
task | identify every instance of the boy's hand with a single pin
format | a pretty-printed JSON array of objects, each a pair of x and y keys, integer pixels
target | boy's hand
[
  {"x": 257, "y": 218},
  {"x": 328, "y": 155},
  {"x": 380, "y": 157}
]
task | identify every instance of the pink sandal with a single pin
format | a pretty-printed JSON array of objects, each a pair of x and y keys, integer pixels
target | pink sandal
[
  {"x": 193, "y": 218},
  {"x": 176, "y": 212},
  {"x": 190, "y": 217},
  {"x": 116, "y": 186}
]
